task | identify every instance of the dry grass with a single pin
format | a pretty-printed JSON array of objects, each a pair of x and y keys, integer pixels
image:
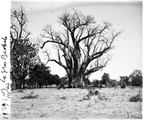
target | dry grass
[{"x": 67, "y": 104}]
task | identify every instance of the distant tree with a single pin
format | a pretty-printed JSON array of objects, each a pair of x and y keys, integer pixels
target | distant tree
[
  {"x": 113, "y": 83},
  {"x": 81, "y": 46},
  {"x": 21, "y": 50},
  {"x": 124, "y": 80},
  {"x": 55, "y": 79},
  {"x": 105, "y": 78},
  {"x": 95, "y": 83},
  {"x": 40, "y": 75},
  {"x": 136, "y": 78}
]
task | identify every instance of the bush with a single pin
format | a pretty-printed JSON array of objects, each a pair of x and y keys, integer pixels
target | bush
[
  {"x": 136, "y": 98},
  {"x": 30, "y": 96},
  {"x": 123, "y": 86}
]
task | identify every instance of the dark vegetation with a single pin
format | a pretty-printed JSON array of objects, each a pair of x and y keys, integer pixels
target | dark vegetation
[
  {"x": 30, "y": 96},
  {"x": 136, "y": 98}
]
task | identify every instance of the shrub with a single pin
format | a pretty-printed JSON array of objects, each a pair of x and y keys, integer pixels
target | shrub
[
  {"x": 136, "y": 98},
  {"x": 123, "y": 86},
  {"x": 30, "y": 96}
]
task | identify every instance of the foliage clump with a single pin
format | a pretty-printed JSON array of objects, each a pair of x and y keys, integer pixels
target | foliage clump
[
  {"x": 136, "y": 98},
  {"x": 30, "y": 96},
  {"x": 136, "y": 78}
]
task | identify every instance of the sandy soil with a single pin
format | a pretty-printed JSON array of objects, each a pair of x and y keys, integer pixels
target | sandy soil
[{"x": 68, "y": 104}]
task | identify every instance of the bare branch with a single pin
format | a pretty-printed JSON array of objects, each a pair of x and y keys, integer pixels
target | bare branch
[
  {"x": 18, "y": 24},
  {"x": 59, "y": 63},
  {"x": 52, "y": 36},
  {"x": 100, "y": 53},
  {"x": 48, "y": 56},
  {"x": 97, "y": 66}
]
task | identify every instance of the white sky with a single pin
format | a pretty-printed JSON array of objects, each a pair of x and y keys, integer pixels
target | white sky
[{"x": 126, "y": 16}]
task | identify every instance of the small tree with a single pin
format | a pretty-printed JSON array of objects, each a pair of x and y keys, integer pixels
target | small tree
[
  {"x": 55, "y": 79},
  {"x": 136, "y": 78},
  {"x": 40, "y": 74},
  {"x": 95, "y": 83},
  {"x": 124, "y": 80},
  {"x": 105, "y": 78}
]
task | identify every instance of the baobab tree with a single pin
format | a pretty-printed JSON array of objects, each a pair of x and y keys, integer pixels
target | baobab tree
[{"x": 82, "y": 45}]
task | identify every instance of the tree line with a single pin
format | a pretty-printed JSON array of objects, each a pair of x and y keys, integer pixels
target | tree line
[{"x": 134, "y": 79}]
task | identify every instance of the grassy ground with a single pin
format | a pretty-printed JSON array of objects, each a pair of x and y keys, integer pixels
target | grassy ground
[{"x": 63, "y": 104}]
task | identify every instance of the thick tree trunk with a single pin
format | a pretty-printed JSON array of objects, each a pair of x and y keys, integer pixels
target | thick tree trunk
[
  {"x": 76, "y": 81},
  {"x": 13, "y": 79},
  {"x": 22, "y": 81},
  {"x": 79, "y": 79},
  {"x": 70, "y": 80},
  {"x": 13, "y": 85},
  {"x": 19, "y": 85}
]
